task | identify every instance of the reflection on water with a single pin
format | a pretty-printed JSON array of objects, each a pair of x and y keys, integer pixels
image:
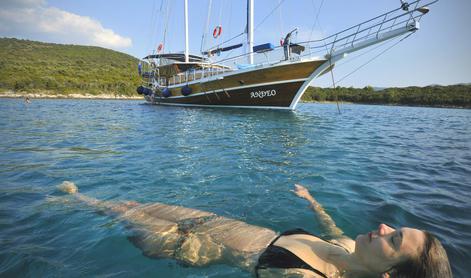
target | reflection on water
[{"x": 400, "y": 165}]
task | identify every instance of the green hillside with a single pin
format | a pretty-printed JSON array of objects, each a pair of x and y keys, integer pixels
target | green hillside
[{"x": 64, "y": 69}]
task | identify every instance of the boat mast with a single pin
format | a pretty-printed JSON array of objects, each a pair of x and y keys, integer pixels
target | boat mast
[
  {"x": 187, "y": 59},
  {"x": 250, "y": 29}
]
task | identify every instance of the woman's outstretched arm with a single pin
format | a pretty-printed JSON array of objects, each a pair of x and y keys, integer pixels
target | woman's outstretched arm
[{"x": 326, "y": 221}]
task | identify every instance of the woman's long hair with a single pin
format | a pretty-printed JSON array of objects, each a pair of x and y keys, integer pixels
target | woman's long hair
[{"x": 431, "y": 263}]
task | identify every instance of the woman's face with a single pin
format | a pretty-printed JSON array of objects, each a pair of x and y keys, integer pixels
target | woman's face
[{"x": 384, "y": 248}]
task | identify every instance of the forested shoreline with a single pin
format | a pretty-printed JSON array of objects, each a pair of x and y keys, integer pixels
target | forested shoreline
[
  {"x": 72, "y": 71},
  {"x": 434, "y": 96}
]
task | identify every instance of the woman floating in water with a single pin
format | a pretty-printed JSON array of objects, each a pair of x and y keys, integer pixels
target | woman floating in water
[{"x": 199, "y": 238}]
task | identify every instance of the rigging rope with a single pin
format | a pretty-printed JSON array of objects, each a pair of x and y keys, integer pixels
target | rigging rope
[
  {"x": 333, "y": 83},
  {"x": 205, "y": 30},
  {"x": 372, "y": 59},
  {"x": 159, "y": 23},
  {"x": 358, "y": 68},
  {"x": 220, "y": 13},
  {"x": 316, "y": 21},
  {"x": 229, "y": 26},
  {"x": 272, "y": 11},
  {"x": 317, "y": 18},
  {"x": 167, "y": 16},
  {"x": 218, "y": 45},
  {"x": 281, "y": 20},
  {"x": 362, "y": 54},
  {"x": 150, "y": 37},
  {"x": 280, "y": 2}
]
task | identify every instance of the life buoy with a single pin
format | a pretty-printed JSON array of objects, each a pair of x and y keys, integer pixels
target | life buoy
[
  {"x": 217, "y": 31},
  {"x": 160, "y": 47}
]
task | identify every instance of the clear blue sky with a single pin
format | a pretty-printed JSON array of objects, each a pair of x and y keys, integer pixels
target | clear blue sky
[{"x": 438, "y": 54}]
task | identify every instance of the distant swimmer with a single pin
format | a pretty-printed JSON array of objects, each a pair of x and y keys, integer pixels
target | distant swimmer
[
  {"x": 27, "y": 100},
  {"x": 200, "y": 238}
]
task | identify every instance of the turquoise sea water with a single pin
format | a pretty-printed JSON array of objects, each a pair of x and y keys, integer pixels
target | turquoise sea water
[{"x": 400, "y": 165}]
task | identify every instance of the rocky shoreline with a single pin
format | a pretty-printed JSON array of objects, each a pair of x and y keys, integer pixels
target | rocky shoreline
[{"x": 45, "y": 95}]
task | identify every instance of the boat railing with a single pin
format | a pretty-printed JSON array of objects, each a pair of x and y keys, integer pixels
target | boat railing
[
  {"x": 196, "y": 74},
  {"x": 372, "y": 29}
]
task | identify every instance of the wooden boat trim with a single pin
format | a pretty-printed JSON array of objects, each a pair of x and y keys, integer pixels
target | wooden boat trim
[
  {"x": 226, "y": 106},
  {"x": 244, "y": 71},
  {"x": 240, "y": 87},
  {"x": 280, "y": 94}
]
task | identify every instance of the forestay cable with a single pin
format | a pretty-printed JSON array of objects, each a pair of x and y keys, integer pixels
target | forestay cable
[
  {"x": 316, "y": 21},
  {"x": 272, "y": 11},
  {"x": 374, "y": 58},
  {"x": 333, "y": 83},
  {"x": 206, "y": 30}
]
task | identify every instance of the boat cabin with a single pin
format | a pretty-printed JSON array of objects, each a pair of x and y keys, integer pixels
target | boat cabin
[{"x": 171, "y": 69}]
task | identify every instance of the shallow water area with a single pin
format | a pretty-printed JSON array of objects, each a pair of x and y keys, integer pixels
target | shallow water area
[{"x": 406, "y": 166}]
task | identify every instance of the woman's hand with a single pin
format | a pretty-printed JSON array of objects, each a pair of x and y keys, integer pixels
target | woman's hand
[
  {"x": 326, "y": 221},
  {"x": 301, "y": 191}
]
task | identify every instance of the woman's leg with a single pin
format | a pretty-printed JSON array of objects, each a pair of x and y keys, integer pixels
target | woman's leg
[
  {"x": 190, "y": 235},
  {"x": 198, "y": 237},
  {"x": 168, "y": 231},
  {"x": 154, "y": 236},
  {"x": 237, "y": 235},
  {"x": 231, "y": 233}
]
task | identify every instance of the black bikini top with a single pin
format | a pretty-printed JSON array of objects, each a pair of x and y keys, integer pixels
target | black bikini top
[{"x": 279, "y": 257}]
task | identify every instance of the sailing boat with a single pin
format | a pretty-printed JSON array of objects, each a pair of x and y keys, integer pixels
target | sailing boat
[{"x": 265, "y": 76}]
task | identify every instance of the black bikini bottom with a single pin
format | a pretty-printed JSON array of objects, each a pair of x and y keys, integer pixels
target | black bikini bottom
[{"x": 279, "y": 257}]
